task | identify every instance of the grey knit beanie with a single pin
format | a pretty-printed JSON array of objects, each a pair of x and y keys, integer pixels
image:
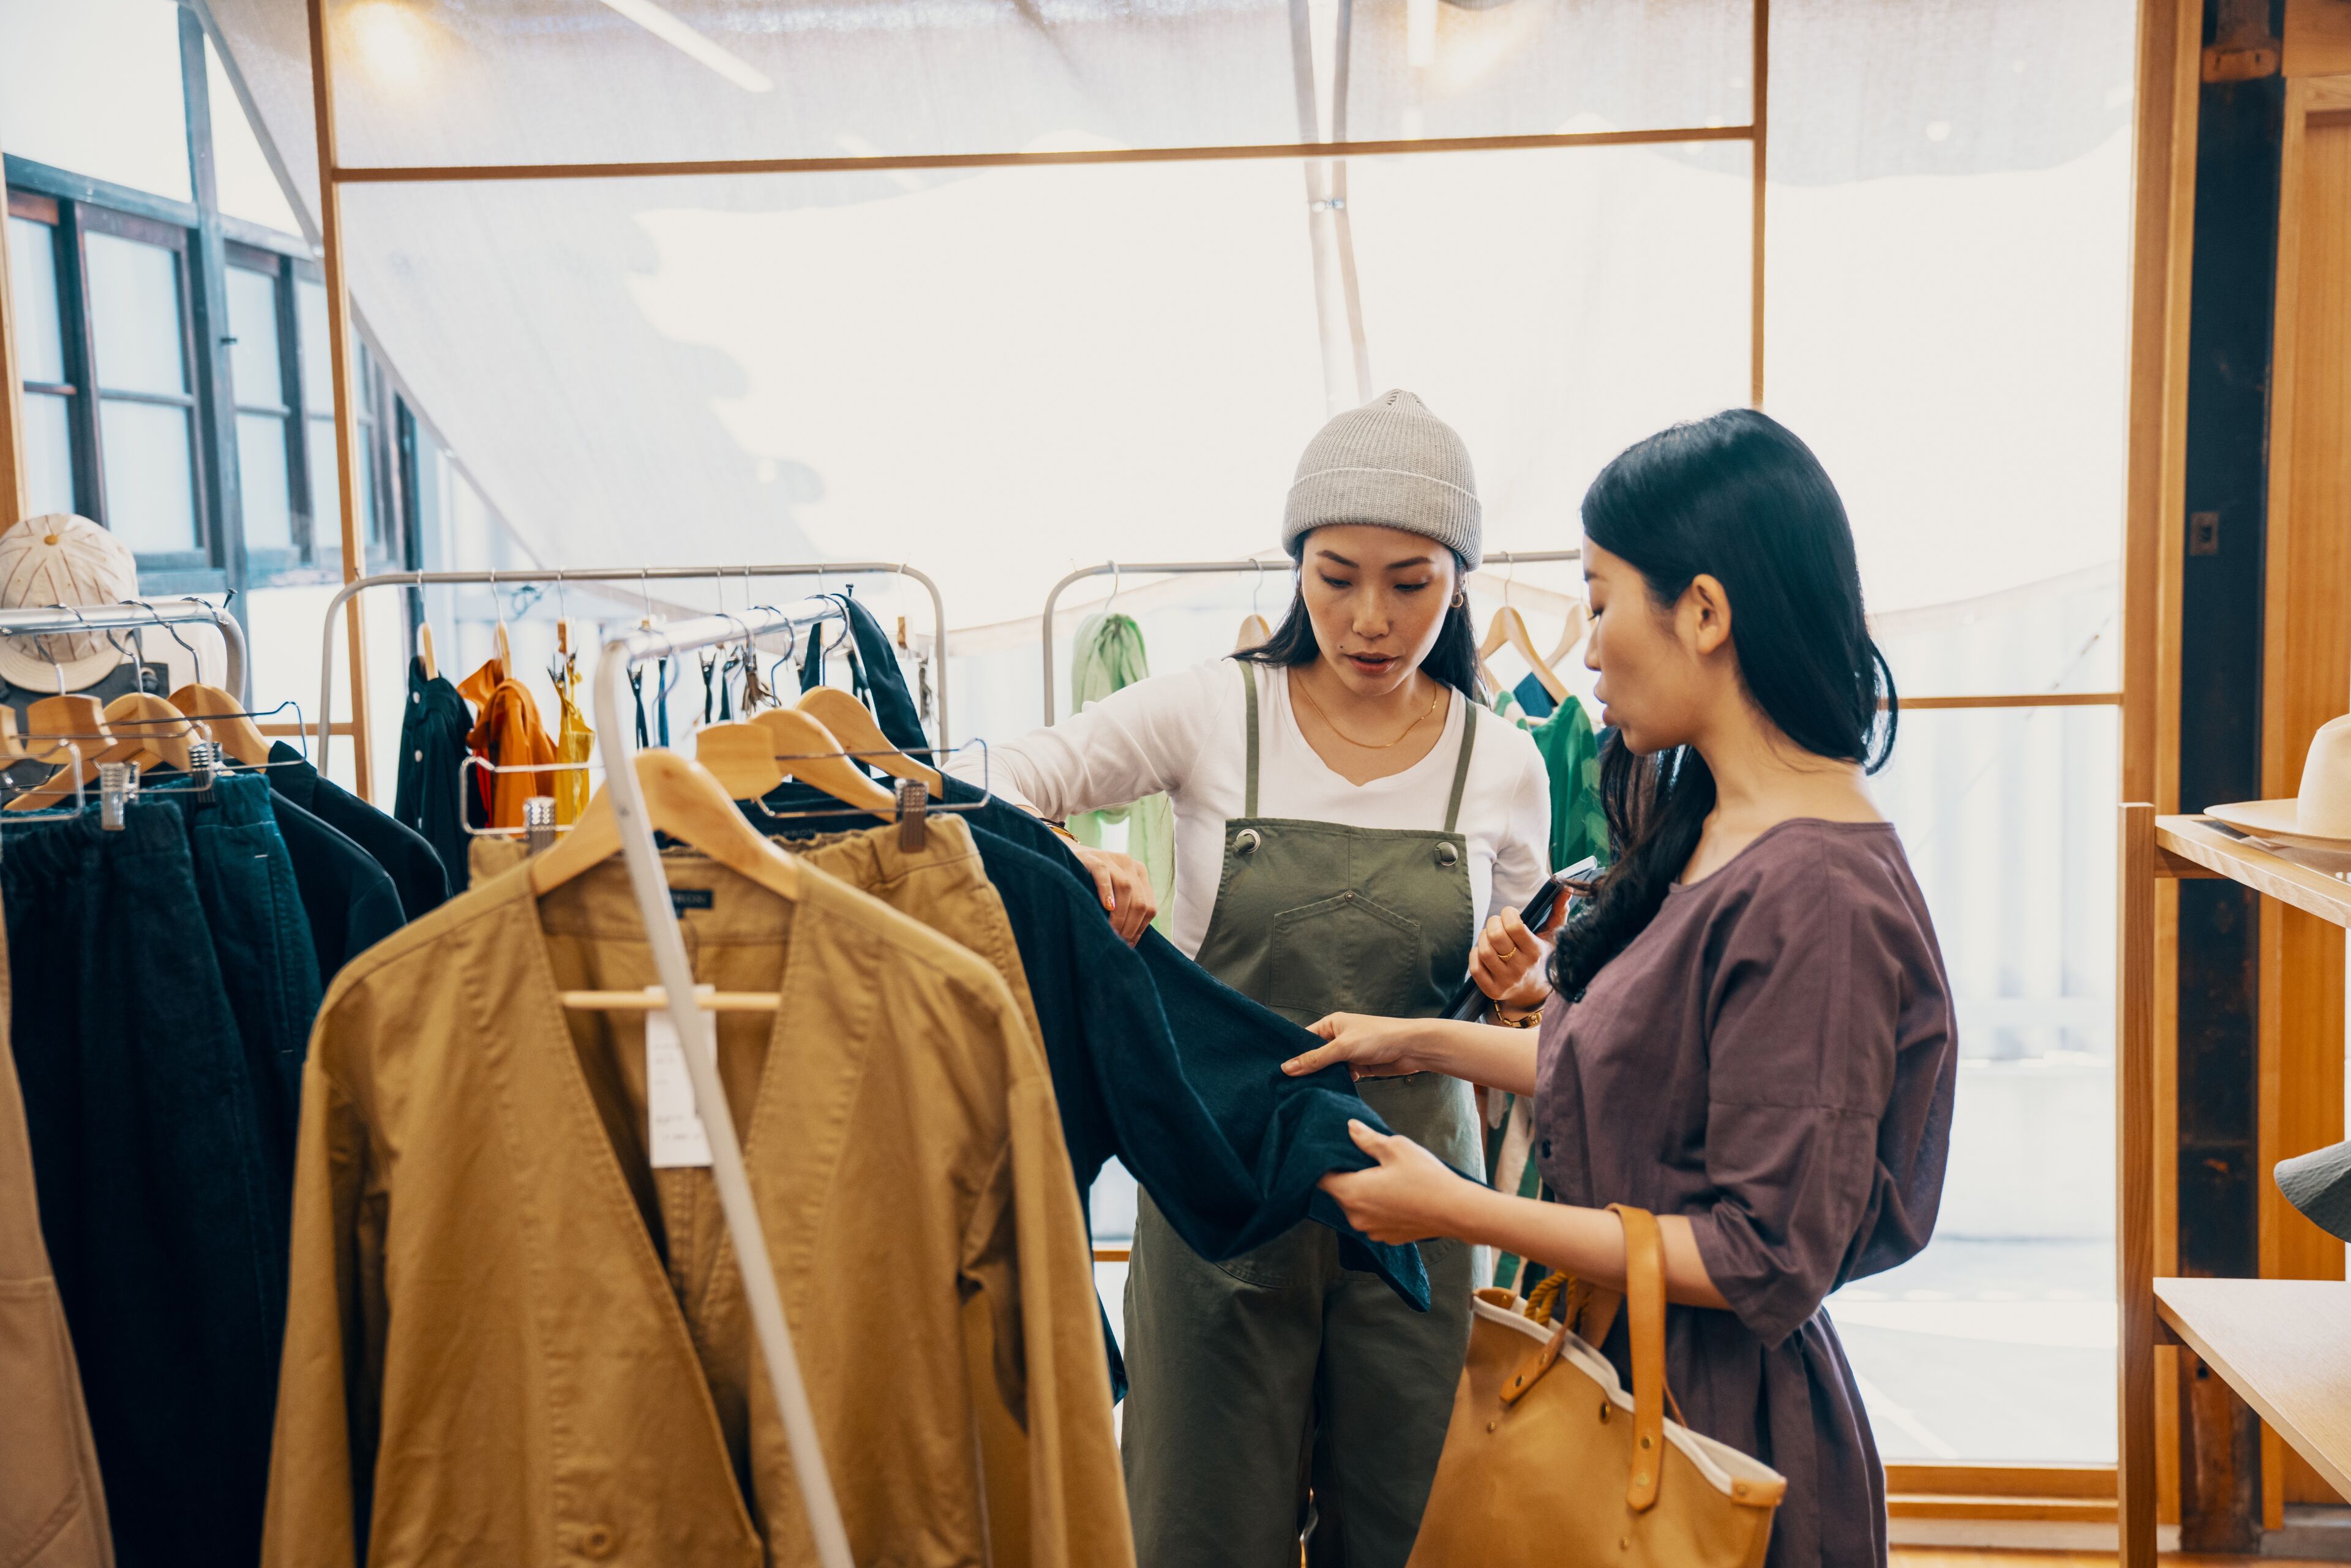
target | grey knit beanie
[{"x": 1390, "y": 463}]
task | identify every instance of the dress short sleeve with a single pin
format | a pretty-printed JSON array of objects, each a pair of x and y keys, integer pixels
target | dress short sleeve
[{"x": 1816, "y": 1159}]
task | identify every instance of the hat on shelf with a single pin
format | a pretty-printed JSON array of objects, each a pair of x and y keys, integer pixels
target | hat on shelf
[
  {"x": 2319, "y": 1184},
  {"x": 2320, "y": 816},
  {"x": 61, "y": 559}
]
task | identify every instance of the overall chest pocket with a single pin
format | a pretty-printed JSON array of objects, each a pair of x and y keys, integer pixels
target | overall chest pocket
[{"x": 1343, "y": 954}]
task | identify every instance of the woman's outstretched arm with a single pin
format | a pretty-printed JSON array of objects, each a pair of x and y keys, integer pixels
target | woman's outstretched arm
[{"x": 1412, "y": 1195}]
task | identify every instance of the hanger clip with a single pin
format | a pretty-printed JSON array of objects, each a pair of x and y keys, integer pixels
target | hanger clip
[
  {"x": 914, "y": 811},
  {"x": 204, "y": 757},
  {"x": 539, "y": 822},
  {"x": 117, "y": 786}
]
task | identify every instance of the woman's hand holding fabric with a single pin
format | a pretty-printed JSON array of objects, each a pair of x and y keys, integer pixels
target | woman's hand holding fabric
[
  {"x": 1125, "y": 888},
  {"x": 1371, "y": 1046},
  {"x": 1409, "y": 1195}
]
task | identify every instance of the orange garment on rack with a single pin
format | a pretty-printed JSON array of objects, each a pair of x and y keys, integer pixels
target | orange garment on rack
[{"x": 509, "y": 733}]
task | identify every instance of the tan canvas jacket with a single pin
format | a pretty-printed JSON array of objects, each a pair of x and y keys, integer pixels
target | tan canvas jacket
[
  {"x": 512, "y": 1340},
  {"x": 52, "y": 1506}
]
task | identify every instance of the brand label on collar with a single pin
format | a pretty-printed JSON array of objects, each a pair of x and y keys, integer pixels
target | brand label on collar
[{"x": 682, "y": 899}]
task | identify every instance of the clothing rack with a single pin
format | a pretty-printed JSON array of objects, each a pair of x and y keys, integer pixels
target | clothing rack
[
  {"x": 636, "y": 574},
  {"x": 621, "y": 655},
  {"x": 131, "y": 615},
  {"x": 1219, "y": 569}
]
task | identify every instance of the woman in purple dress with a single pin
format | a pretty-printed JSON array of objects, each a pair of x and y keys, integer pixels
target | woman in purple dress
[{"x": 1750, "y": 1033}]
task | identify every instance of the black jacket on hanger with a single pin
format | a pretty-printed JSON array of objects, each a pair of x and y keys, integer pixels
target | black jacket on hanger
[
  {"x": 1158, "y": 1063},
  {"x": 412, "y": 863},
  {"x": 349, "y": 900},
  {"x": 433, "y": 729}
]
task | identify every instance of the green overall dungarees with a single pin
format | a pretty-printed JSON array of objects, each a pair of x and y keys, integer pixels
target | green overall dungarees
[{"x": 1255, "y": 1378}]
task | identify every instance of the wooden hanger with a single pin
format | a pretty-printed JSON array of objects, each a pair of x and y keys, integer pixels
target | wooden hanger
[
  {"x": 687, "y": 802},
  {"x": 1508, "y": 629},
  {"x": 810, "y": 753},
  {"x": 505, "y": 649},
  {"x": 233, "y": 731},
  {"x": 1579, "y": 621},
  {"x": 47, "y": 724},
  {"x": 425, "y": 650},
  {"x": 142, "y": 728},
  {"x": 741, "y": 757},
  {"x": 847, "y": 717},
  {"x": 1255, "y": 633}
]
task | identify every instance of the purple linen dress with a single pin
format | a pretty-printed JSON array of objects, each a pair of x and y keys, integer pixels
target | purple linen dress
[{"x": 1773, "y": 1057}]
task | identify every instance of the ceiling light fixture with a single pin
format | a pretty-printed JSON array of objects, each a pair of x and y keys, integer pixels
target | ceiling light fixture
[{"x": 662, "y": 25}]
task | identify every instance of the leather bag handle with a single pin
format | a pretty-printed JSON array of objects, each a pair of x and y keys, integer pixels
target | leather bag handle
[{"x": 1644, "y": 1296}]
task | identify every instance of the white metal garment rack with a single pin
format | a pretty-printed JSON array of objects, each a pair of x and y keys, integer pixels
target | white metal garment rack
[
  {"x": 131, "y": 616},
  {"x": 624, "y": 574},
  {"x": 1229, "y": 568},
  {"x": 646, "y": 880}
]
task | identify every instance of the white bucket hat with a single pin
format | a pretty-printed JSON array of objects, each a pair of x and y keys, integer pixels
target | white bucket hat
[
  {"x": 61, "y": 559},
  {"x": 2319, "y": 817}
]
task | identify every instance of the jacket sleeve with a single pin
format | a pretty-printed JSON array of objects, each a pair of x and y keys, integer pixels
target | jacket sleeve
[
  {"x": 1137, "y": 741},
  {"x": 1027, "y": 1253},
  {"x": 322, "y": 1455}
]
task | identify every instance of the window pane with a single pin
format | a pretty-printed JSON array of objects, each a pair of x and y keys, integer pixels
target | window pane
[
  {"x": 252, "y": 319},
  {"x": 328, "y": 519},
  {"x": 135, "y": 302},
  {"x": 151, "y": 491},
  {"x": 262, "y": 481},
  {"x": 48, "y": 455},
  {"x": 33, "y": 286},
  {"x": 318, "y": 365},
  {"x": 2008, "y": 818}
]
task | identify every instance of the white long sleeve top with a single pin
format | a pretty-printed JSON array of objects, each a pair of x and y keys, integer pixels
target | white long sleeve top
[{"x": 1186, "y": 734}]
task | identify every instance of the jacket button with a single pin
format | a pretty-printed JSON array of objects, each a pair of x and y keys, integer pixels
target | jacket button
[{"x": 598, "y": 1541}]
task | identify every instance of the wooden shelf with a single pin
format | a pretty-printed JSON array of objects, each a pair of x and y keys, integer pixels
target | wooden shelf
[
  {"x": 2285, "y": 1345},
  {"x": 2206, "y": 844}
]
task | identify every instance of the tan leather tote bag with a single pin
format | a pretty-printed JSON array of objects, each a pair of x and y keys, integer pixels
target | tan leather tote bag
[{"x": 1548, "y": 1463}]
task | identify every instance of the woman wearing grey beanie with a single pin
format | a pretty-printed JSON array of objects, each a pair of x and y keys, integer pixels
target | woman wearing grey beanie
[{"x": 1347, "y": 812}]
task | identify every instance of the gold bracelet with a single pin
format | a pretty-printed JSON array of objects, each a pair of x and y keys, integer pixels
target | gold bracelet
[{"x": 1527, "y": 1021}]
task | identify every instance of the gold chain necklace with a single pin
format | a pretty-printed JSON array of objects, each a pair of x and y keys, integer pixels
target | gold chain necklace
[{"x": 1304, "y": 691}]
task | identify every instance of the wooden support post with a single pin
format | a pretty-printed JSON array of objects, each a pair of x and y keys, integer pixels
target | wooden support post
[
  {"x": 2163, "y": 249},
  {"x": 339, "y": 332},
  {"x": 2306, "y": 680},
  {"x": 12, "y": 392},
  {"x": 1757, "y": 115},
  {"x": 2135, "y": 1483}
]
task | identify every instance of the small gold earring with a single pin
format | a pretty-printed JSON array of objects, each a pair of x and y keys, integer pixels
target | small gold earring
[{"x": 1460, "y": 599}]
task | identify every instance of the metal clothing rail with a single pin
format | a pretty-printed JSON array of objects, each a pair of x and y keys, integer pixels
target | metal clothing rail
[
  {"x": 637, "y": 574},
  {"x": 131, "y": 615},
  {"x": 646, "y": 880},
  {"x": 1225, "y": 569}
]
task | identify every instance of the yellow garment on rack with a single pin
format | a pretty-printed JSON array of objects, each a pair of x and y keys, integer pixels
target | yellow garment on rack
[
  {"x": 944, "y": 886},
  {"x": 500, "y": 1312},
  {"x": 575, "y": 743},
  {"x": 506, "y": 734}
]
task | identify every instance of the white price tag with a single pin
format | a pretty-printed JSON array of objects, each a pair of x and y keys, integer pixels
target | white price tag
[{"x": 675, "y": 1135}]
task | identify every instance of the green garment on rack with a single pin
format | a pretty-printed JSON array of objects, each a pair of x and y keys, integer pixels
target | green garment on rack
[
  {"x": 1570, "y": 755},
  {"x": 1110, "y": 657}
]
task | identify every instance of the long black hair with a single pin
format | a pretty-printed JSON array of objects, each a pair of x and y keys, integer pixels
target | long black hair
[
  {"x": 1453, "y": 659},
  {"x": 1740, "y": 497}
]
